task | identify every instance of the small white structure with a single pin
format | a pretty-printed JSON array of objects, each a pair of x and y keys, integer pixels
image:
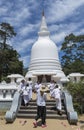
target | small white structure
[
  {"x": 64, "y": 80},
  {"x": 75, "y": 77},
  {"x": 7, "y": 91},
  {"x": 44, "y": 60},
  {"x": 19, "y": 80},
  {"x": 14, "y": 77}
]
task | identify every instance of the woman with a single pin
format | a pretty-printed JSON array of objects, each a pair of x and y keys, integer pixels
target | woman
[
  {"x": 57, "y": 95},
  {"x": 26, "y": 94}
]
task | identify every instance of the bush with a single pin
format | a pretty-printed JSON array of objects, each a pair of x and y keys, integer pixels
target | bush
[{"x": 77, "y": 92}]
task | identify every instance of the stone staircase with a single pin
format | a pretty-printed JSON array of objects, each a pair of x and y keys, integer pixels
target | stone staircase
[{"x": 31, "y": 110}]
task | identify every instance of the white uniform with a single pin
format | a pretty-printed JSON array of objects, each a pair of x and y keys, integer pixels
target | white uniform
[
  {"x": 20, "y": 87},
  {"x": 51, "y": 88},
  {"x": 25, "y": 90},
  {"x": 30, "y": 89},
  {"x": 57, "y": 95},
  {"x": 37, "y": 86}
]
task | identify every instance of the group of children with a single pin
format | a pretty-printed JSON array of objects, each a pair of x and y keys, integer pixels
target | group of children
[{"x": 41, "y": 92}]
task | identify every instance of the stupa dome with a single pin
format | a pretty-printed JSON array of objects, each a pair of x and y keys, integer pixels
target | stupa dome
[
  {"x": 44, "y": 54},
  {"x": 44, "y": 48}
]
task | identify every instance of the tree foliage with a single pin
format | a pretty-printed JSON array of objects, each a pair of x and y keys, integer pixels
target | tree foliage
[
  {"x": 77, "y": 92},
  {"x": 9, "y": 58},
  {"x": 73, "y": 54},
  {"x": 6, "y": 32}
]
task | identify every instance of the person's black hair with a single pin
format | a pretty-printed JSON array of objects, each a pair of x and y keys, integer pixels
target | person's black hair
[
  {"x": 29, "y": 79},
  {"x": 27, "y": 84},
  {"x": 56, "y": 86}
]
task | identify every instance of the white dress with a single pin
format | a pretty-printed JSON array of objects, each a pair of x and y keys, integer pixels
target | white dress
[
  {"x": 57, "y": 95},
  {"x": 51, "y": 88},
  {"x": 37, "y": 86},
  {"x": 20, "y": 87},
  {"x": 30, "y": 89},
  {"x": 25, "y": 94}
]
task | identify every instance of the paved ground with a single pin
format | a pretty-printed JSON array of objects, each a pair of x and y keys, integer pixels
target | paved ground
[{"x": 52, "y": 124}]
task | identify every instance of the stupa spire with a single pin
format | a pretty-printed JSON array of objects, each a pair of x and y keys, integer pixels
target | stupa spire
[
  {"x": 43, "y": 13},
  {"x": 43, "y": 28}
]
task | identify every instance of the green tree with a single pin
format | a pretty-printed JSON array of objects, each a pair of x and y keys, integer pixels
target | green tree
[
  {"x": 6, "y": 32},
  {"x": 77, "y": 92},
  {"x": 9, "y": 58},
  {"x": 73, "y": 54},
  {"x": 9, "y": 62}
]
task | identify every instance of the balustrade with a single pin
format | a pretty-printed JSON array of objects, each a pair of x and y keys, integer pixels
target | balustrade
[{"x": 7, "y": 91}]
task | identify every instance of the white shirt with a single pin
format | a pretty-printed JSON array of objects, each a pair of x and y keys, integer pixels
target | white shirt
[
  {"x": 51, "y": 86},
  {"x": 56, "y": 92},
  {"x": 25, "y": 90},
  {"x": 30, "y": 83},
  {"x": 41, "y": 100},
  {"x": 20, "y": 87},
  {"x": 37, "y": 87}
]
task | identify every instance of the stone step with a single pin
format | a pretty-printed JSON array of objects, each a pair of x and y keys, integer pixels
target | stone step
[
  {"x": 31, "y": 110},
  {"x": 35, "y": 111},
  {"x": 49, "y": 116},
  {"x": 35, "y": 107},
  {"x": 47, "y": 103},
  {"x": 49, "y": 100}
]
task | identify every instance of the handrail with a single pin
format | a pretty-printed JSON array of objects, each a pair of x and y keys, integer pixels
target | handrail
[
  {"x": 71, "y": 113},
  {"x": 11, "y": 114}
]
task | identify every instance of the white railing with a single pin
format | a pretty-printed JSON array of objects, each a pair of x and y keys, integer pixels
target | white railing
[{"x": 7, "y": 91}]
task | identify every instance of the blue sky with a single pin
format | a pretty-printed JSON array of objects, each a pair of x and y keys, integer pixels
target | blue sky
[{"x": 62, "y": 16}]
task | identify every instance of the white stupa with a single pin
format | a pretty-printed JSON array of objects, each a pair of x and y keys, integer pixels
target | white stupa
[{"x": 44, "y": 62}]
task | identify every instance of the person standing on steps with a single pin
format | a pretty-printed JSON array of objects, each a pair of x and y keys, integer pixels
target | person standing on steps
[
  {"x": 41, "y": 106},
  {"x": 57, "y": 95},
  {"x": 51, "y": 87},
  {"x": 37, "y": 86},
  {"x": 26, "y": 94},
  {"x": 20, "y": 90},
  {"x": 30, "y": 88}
]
